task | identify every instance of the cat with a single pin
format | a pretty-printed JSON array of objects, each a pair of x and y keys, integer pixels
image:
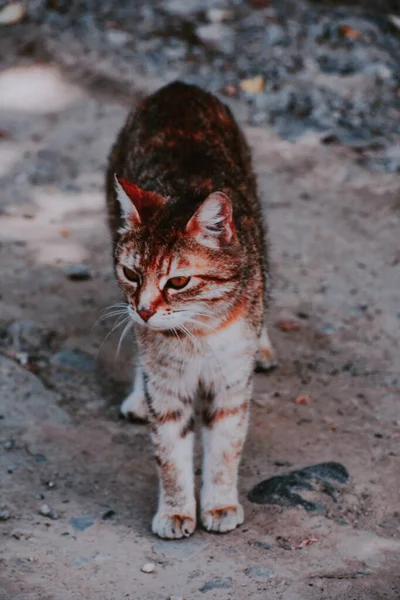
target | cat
[{"x": 190, "y": 257}]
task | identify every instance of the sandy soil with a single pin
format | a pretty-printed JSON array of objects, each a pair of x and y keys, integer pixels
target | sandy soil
[{"x": 334, "y": 235}]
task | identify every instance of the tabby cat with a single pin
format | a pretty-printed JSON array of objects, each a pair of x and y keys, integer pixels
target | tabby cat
[{"x": 190, "y": 257}]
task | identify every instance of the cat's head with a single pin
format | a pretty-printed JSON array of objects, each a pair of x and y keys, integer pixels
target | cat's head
[{"x": 178, "y": 270}]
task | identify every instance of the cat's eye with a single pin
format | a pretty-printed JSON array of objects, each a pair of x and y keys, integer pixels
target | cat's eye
[
  {"x": 130, "y": 275},
  {"x": 178, "y": 283}
]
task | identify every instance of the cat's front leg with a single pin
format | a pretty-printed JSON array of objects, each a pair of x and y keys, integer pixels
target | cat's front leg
[
  {"x": 225, "y": 420},
  {"x": 134, "y": 407},
  {"x": 172, "y": 427}
]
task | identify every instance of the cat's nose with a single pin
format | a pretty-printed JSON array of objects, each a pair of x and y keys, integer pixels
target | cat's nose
[{"x": 145, "y": 313}]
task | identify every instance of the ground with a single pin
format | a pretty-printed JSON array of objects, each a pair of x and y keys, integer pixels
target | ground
[{"x": 334, "y": 320}]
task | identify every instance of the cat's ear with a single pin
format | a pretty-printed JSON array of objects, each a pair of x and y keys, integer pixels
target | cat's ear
[
  {"x": 129, "y": 197},
  {"x": 212, "y": 223}
]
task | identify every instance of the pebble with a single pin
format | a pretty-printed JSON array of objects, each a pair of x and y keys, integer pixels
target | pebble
[
  {"x": 260, "y": 572},
  {"x": 175, "y": 598},
  {"x": 77, "y": 272},
  {"x": 12, "y": 13},
  {"x": 5, "y": 514},
  {"x": 225, "y": 583},
  {"x": 9, "y": 444},
  {"x": 218, "y": 15},
  {"x": 148, "y": 568},
  {"x": 81, "y": 523},
  {"x": 47, "y": 511}
]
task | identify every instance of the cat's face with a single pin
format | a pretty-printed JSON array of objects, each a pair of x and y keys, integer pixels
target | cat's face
[{"x": 177, "y": 273}]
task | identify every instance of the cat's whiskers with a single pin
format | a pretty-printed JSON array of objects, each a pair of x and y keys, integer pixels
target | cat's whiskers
[
  {"x": 118, "y": 324},
  {"x": 126, "y": 329}
]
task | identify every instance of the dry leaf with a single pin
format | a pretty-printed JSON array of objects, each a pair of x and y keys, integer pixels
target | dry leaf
[
  {"x": 303, "y": 399},
  {"x": 254, "y": 85},
  {"x": 288, "y": 325},
  {"x": 349, "y": 32},
  {"x": 307, "y": 542},
  {"x": 12, "y": 13}
]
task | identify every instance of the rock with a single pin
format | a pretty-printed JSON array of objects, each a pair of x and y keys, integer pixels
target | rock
[
  {"x": 217, "y": 584},
  {"x": 73, "y": 360},
  {"x": 262, "y": 545},
  {"x": 180, "y": 550},
  {"x": 5, "y": 514},
  {"x": 109, "y": 514},
  {"x": 217, "y": 35},
  {"x": 77, "y": 272},
  {"x": 9, "y": 444},
  {"x": 81, "y": 523},
  {"x": 12, "y": 13},
  {"x": 148, "y": 568},
  {"x": 117, "y": 37},
  {"x": 21, "y": 534},
  {"x": 47, "y": 511},
  {"x": 284, "y": 490},
  {"x": 218, "y": 15},
  {"x": 260, "y": 572}
]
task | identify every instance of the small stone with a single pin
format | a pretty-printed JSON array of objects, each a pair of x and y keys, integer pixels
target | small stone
[
  {"x": 20, "y": 534},
  {"x": 217, "y": 584},
  {"x": 218, "y": 15},
  {"x": 109, "y": 514},
  {"x": 5, "y": 514},
  {"x": 51, "y": 484},
  {"x": 81, "y": 523},
  {"x": 175, "y": 598},
  {"x": 117, "y": 37},
  {"x": 47, "y": 511},
  {"x": 12, "y": 13},
  {"x": 39, "y": 496},
  {"x": 260, "y": 572},
  {"x": 77, "y": 272},
  {"x": 9, "y": 444},
  {"x": 148, "y": 568},
  {"x": 11, "y": 468},
  {"x": 253, "y": 86}
]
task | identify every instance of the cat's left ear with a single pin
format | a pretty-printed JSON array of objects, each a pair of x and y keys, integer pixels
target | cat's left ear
[
  {"x": 129, "y": 197},
  {"x": 212, "y": 223}
]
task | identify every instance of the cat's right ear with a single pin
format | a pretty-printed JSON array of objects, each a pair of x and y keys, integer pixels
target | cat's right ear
[{"x": 128, "y": 195}]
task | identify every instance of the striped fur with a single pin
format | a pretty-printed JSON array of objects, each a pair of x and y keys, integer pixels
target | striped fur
[{"x": 190, "y": 257}]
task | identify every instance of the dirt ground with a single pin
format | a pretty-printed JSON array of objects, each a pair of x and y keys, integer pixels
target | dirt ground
[{"x": 335, "y": 254}]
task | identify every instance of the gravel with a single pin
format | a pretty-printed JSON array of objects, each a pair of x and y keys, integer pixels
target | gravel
[{"x": 328, "y": 69}]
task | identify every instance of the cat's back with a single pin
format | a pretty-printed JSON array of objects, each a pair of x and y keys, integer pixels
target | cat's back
[{"x": 181, "y": 132}]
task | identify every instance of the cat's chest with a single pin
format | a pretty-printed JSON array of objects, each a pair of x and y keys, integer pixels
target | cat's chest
[{"x": 216, "y": 357}]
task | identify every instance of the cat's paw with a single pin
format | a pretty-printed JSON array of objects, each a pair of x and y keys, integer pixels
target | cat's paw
[
  {"x": 173, "y": 526},
  {"x": 134, "y": 407},
  {"x": 222, "y": 519}
]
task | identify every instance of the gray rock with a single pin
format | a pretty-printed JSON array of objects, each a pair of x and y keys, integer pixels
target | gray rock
[
  {"x": 81, "y": 523},
  {"x": 5, "y": 514},
  {"x": 78, "y": 272},
  {"x": 260, "y": 572},
  {"x": 217, "y": 584},
  {"x": 73, "y": 360},
  {"x": 48, "y": 511}
]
